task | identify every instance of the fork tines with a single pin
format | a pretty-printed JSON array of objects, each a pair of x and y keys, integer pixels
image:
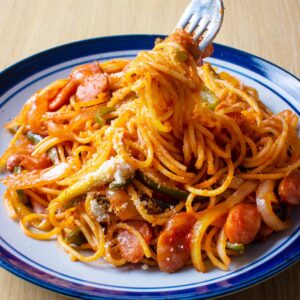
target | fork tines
[{"x": 202, "y": 18}]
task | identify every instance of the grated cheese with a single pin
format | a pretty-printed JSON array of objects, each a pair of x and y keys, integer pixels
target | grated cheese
[
  {"x": 145, "y": 267},
  {"x": 98, "y": 211}
]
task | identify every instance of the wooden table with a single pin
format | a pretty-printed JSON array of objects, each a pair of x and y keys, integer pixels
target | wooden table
[{"x": 269, "y": 28}]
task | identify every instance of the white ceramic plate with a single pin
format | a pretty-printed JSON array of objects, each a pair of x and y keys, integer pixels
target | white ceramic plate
[{"x": 46, "y": 264}]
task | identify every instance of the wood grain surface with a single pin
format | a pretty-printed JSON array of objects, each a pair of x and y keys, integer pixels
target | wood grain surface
[{"x": 268, "y": 28}]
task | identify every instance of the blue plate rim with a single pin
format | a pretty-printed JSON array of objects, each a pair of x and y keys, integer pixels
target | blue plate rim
[
  {"x": 151, "y": 37},
  {"x": 232, "y": 55}
]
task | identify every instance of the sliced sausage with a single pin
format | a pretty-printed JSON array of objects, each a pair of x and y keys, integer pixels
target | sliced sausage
[
  {"x": 28, "y": 162},
  {"x": 92, "y": 86},
  {"x": 243, "y": 223},
  {"x": 289, "y": 189},
  {"x": 129, "y": 245},
  {"x": 63, "y": 96},
  {"x": 173, "y": 250},
  {"x": 77, "y": 77},
  {"x": 83, "y": 71}
]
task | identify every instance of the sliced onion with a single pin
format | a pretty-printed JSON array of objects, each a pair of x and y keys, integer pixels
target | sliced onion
[
  {"x": 264, "y": 195},
  {"x": 36, "y": 178},
  {"x": 221, "y": 248}
]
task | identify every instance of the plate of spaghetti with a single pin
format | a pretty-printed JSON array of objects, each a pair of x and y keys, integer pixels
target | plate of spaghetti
[{"x": 138, "y": 166}]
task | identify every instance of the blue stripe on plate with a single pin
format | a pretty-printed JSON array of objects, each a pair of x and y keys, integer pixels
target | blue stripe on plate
[
  {"x": 20, "y": 71},
  {"x": 274, "y": 265},
  {"x": 145, "y": 288}
]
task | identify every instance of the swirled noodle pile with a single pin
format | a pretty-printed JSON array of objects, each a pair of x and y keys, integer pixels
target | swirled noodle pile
[{"x": 162, "y": 125}]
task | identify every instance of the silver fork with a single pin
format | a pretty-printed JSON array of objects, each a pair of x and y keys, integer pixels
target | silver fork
[{"x": 202, "y": 18}]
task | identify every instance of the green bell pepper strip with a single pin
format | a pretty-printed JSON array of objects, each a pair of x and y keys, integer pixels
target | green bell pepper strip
[
  {"x": 101, "y": 113},
  {"x": 36, "y": 138}
]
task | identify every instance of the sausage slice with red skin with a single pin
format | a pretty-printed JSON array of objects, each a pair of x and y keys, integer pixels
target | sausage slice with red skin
[
  {"x": 28, "y": 162},
  {"x": 173, "y": 247},
  {"x": 289, "y": 189},
  {"x": 77, "y": 77},
  {"x": 83, "y": 71},
  {"x": 129, "y": 245},
  {"x": 92, "y": 86},
  {"x": 242, "y": 224},
  {"x": 63, "y": 96}
]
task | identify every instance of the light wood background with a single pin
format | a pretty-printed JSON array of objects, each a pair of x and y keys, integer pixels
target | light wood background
[{"x": 268, "y": 28}]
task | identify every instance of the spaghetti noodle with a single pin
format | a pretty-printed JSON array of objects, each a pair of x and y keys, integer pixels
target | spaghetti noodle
[{"x": 154, "y": 160}]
